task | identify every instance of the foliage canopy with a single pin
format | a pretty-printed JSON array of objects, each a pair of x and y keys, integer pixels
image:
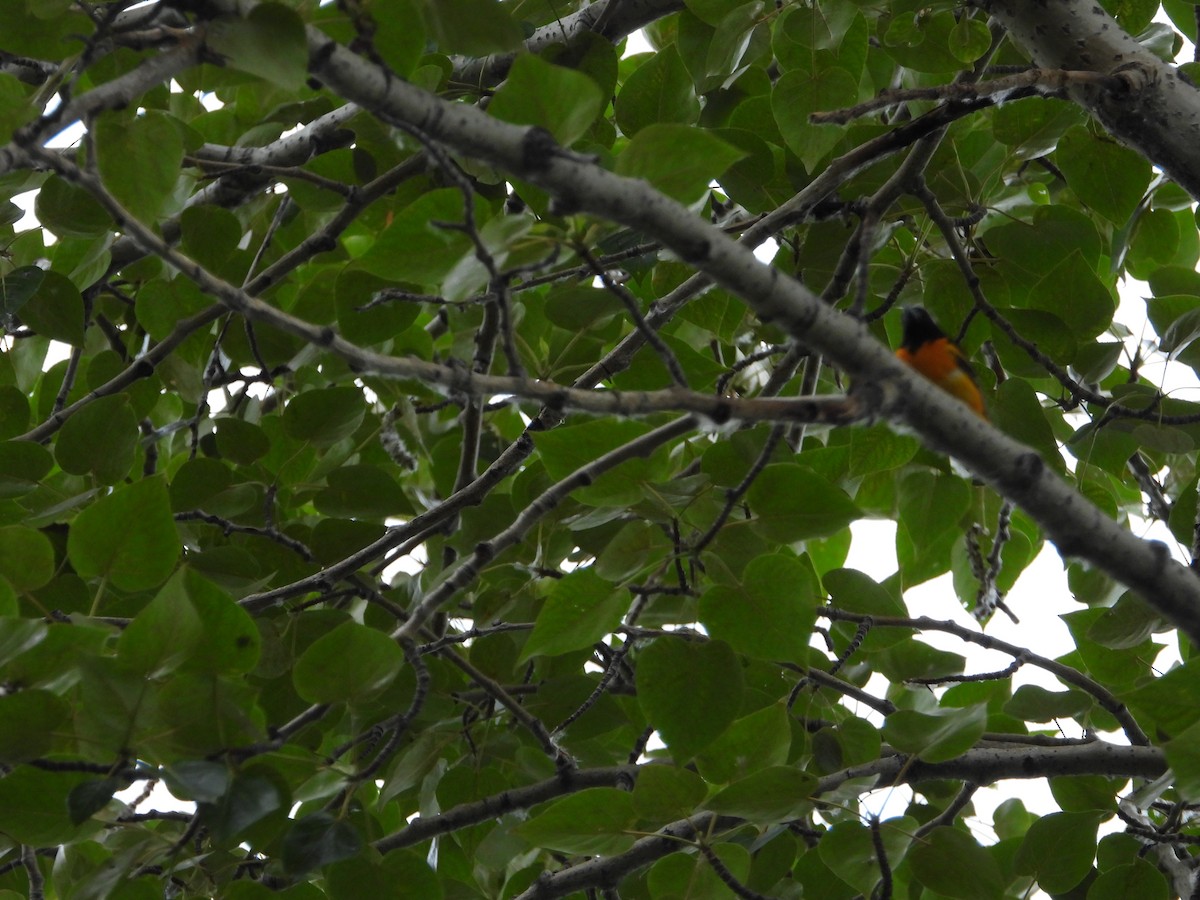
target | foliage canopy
[{"x": 404, "y": 459}]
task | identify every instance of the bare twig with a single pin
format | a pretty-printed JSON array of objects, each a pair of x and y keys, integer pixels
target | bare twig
[{"x": 998, "y": 90}]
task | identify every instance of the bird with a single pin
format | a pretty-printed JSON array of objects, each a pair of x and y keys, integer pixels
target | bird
[{"x": 925, "y": 347}]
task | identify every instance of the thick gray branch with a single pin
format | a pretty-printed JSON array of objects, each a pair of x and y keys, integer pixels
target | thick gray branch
[
  {"x": 990, "y": 764},
  {"x": 625, "y": 17}
]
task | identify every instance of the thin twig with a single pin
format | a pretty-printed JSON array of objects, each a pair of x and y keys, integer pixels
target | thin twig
[
  {"x": 1024, "y": 84},
  {"x": 635, "y": 313},
  {"x": 1107, "y": 700}
]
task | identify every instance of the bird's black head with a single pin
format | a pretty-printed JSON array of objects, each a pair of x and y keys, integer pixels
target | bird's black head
[{"x": 919, "y": 328}]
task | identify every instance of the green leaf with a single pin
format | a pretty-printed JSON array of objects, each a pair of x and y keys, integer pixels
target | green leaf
[
  {"x": 911, "y": 659},
  {"x": 325, "y": 416},
  {"x": 364, "y": 492},
  {"x": 666, "y": 793},
  {"x": 1091, "y": 307},
  {"x": 354, "y": 290},
  {"x": 1050, "y": 334},
  {"x": 319, "y": 840},
  {"x": 350, "y": 663},
  {"x": 33, "y": 805},
  {"x": 1109, "y": 178},
  {"x": 580, "y": 609},
  {"x": 950, "y": 863},
  {"x": 690, "y": 691},
  {"x": 792, "y": 503},
  {"x": 399, "y": 34},
  {"x": 930, "y": 510},
  {"x": 100, "y": 439},
  {"x": 1017, "y": 411},
  {"x": 919, "y": 38},
  {"x": 562, "y": 101},
  {"x": 776, "y": 794},
  {"x": 16, "y": 109},
  {"x": 1136, "y": 879},
  {"x": 1155, "y": 242},
  {"x": 592, "y": 821},
  {"x": 726, "y": 48},
  {"x": 1119, "y": 669},
  {"x": 139, "y": 159},
  {"x": 232, "y": 642},
  {"x": 938, "y": 735},
  {"x": 249, "y": 800},
  {"x": 1128, "y": 623},
  {"x": 757, "y": 183},
  {"x": 969, "y": 39},
  {"x": 1182, "y": 332},
  {"x": 1058, "y": 850},
  {"x": 269, "y": 42},
  {"x": 1033, "y": 129},
  {"x": 333, "y": 539},
  {"x": 165, "y": 634},
  {"x": 799, "y": 93},
  {"x": 679, "y": 160},
  {"x": 202, "y": 780},
  {"x": 1163, "y": 438},
  {"x": 22, "y": 467},
  {"x": 415, "y": 250},
  {"x": 578, "y": 307},
  {"x": 241, "y": 442},
  {"x": 1183, "y": 756},
  {"x": 26, "y": 557},
  {"x": 1082, "y": 793},
  {"x": 1171, "y": 701},
  {"x": 658, "y": 91},
  {"x": 56, "y": 310},
  {"x": 566, "y": 449},
  {"x": 197, "y": 714},
  {"x": 849, "y": 850},
  {"x": 1036, "y": 704},
  {"x": 160, "y": 306},
  {"x": 692, "y": 876},
  {"x": 19, "y": 635},
  {"x": 88, "y": 798},
  {"x": 879, "y": 449},
  {"x": 17, "y": 286},
  {"x": 711, "y": 11},
  {"x": 857, "y": 592},
  {"x": 1054, "y": 233},
  {"x": 209, "y": 235},
  {"x": 70, "y": 211},
  {"x": 837, "y": 27},
  {"x": 769, "y": 614},
  {"x": 198, "y": 481},
  {"x": 759, "y": 740},
  {"x": 1011, "y": 819},
  {"x": 471, "y": 27},
  {"x": 128, "y": 537},
  {"x": 42, "y": 30},
  {"x": 28, "y": 720}
]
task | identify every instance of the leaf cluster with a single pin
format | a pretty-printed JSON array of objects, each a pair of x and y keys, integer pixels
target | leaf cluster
[{"x": 300, "y": 519}]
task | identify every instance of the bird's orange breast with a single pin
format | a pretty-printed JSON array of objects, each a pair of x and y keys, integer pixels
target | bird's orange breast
[{"x": 942, "y": 363}]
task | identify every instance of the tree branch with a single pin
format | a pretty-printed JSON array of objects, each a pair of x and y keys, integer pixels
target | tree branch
[{"x": 1077, "y": 526}]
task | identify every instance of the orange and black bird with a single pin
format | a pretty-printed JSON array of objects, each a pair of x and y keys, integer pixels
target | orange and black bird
[{"x": 926, "y": 348}]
